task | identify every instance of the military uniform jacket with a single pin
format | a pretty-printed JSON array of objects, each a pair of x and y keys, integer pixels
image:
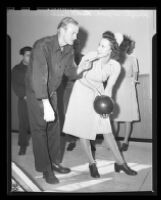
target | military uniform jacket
[
  {"x": 47, "y": 66},
  {"x": 18, "y": 79}
]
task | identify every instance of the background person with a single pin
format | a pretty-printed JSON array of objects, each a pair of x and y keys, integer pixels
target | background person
[
  {"x": 126, "y": 95},
  {"x": 18, "y": 84}
]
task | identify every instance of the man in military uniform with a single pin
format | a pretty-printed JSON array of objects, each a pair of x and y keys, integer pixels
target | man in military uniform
[
  {"x": 51, "y": 58},
  {"x": 18, "y": 85}
]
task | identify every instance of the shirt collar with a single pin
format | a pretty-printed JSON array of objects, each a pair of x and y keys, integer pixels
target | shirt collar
[
  {"x": 56, "y": 46},
  {"x": 23, "y": 63}
]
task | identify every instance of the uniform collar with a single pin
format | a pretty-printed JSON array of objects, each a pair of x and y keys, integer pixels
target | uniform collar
[
  {"x": 56, "y": 46},
  {"x": 23, "y": 63}
]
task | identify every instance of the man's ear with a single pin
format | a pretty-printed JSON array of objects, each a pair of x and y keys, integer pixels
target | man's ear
[{"x": 62, "y": 30}]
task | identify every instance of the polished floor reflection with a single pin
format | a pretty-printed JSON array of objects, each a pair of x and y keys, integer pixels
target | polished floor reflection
[{"x": 138, "y": 156}]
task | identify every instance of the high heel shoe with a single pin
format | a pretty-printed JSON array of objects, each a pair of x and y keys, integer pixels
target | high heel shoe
[
  {"x": 124, "y": 147},
  {"x": 94, "y": 171},
  {"x": 124, "y": 167}
]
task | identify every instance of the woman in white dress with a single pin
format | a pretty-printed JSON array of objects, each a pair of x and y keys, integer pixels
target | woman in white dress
[
  {"x": 126, "y": 97},
  {"x": 81, "y": 120}
]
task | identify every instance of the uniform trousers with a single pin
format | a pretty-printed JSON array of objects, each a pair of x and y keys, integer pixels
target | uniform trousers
[
  {"x": 24, "y": 128},
  {"x": 45, "y": 135}
]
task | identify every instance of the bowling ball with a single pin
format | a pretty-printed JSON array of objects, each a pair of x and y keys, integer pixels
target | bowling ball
[{"x": 103, "y": 104}]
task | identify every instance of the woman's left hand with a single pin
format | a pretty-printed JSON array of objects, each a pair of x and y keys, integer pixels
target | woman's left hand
[
  {"x": 104, "y": 116},
  {"x": 134, "y": 81}
]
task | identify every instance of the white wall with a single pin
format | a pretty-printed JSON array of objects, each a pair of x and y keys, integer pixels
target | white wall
[{"x": 25, "y": 27}]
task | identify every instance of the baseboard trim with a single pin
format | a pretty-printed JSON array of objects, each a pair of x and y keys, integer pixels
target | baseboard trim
[
  {"x": 117, "y": 138},
  {"x": 136, "y": 139}
]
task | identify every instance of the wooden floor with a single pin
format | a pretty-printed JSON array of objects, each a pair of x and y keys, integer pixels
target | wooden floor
[{"x": 138, "y": 156}]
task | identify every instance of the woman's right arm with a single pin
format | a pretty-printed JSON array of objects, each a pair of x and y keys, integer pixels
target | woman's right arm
[
  {"x": 115, "y": 72},
  {"x": 86, "y": 62},
  {"x": 88, "y": 84},
  {"x": 135, "y": 70}
]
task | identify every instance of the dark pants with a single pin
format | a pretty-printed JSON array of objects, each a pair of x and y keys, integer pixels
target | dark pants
[
  {"x": 24, "y": 128},
  {"x": 45, "y": 136}
]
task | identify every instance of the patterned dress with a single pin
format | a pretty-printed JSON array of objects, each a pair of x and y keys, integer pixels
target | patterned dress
[{"x": 81, "y": 120}]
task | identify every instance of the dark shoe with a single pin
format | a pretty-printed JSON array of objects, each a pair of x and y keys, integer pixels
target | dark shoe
[
  {"x": 60, "y": 169},
  {"x": 22, "y": 151},
  {"x": 71, "y": 146},
  {"x": 50, "y": 177},
  {"x": 94, "y": 171},
  {"x": 124, "y": 167},
  {"x": 124, "y": 147}
]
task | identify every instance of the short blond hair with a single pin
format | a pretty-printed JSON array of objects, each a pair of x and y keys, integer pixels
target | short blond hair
[{"x": 65, "y": 21}]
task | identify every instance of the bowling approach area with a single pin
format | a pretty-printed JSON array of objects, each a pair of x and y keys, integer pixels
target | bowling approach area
[{"x": 139, "y": 157}]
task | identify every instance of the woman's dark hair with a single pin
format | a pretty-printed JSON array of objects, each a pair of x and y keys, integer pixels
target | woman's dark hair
[
  {"x": 24, "y": 49},
  {"x": 114, "y": 45},
  {"x": 126, "y": 47},
  {"x": 127, "y": 44}
]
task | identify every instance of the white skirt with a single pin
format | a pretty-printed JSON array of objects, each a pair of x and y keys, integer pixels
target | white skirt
[{"x": 81, "y": 120}]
